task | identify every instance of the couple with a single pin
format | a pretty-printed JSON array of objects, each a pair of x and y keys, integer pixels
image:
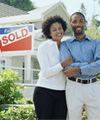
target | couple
[{"x": 79, "y": 59}]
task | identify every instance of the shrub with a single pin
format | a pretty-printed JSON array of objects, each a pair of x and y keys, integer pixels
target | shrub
[
  {"x": 21, "y": 113},
  {"x": 25, "y": 101},
  {"x": 9, "y": 93},
  {"x": 84, "y": 116}
]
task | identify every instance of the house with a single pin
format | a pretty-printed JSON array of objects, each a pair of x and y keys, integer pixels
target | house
[{"x": 21, "y": 62}]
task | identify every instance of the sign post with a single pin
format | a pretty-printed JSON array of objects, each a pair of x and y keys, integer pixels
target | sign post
[{"x": 18, "y": 41}]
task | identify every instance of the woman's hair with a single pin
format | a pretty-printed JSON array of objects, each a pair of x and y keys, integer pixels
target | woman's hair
[{"x": 49, "y": 21}]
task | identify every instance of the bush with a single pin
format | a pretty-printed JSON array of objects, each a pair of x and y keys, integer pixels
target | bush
[
  {"x": 98, "y": 77},
  {"x": 25, "y": 101},
  {"x": 25, "y": 113},
  {"x": 21, "y": 113},
  {"x": 9, "y": 93},
  {"x": 84, "y": 116}
]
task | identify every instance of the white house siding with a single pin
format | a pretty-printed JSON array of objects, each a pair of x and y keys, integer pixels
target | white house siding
[
  {"x": 17, "y": 61},
  {"x": 37, "y": 43},
  {"x": 35, "y": 65},
  {"x": 37, "y": 25},
  {"x": 58, "y": 11}
]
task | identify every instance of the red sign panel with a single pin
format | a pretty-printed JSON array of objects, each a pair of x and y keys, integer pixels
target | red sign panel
[{"x": 18, "y": 38}]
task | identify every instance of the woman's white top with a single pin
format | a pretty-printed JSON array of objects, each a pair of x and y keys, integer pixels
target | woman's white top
[{"x": 51, "y": 75}]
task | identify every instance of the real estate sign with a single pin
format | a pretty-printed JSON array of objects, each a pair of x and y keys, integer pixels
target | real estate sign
[{"x": 17, "y": 38}]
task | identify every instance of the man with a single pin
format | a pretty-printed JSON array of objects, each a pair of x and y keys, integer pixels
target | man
[{"x": 82, "y": 87}]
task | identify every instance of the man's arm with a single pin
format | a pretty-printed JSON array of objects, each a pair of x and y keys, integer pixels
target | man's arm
[
  {"x": 71, "y": 71},
  {"x": 64, "y": 53},
  {"x": 90, "y": 69},
  {"x": 94, "y": 67}
]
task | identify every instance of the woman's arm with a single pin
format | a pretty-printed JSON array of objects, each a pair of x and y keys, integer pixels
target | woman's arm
[
  {"x": 44, "y": 61},
  {"x": 67, "y": 61}
]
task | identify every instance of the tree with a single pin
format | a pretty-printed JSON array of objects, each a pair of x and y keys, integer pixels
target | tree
[
  {"x": 97, "y": 0},
  {"x": 95, "y": 22},
  {"x": 93, "y": 32},
  {"x": 25, "y": 5},
  {"x": 82, "y": 9}
]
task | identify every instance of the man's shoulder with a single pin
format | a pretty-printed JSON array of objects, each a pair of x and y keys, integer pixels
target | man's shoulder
[
  {"x": 67, "y": 41},
  {"x": 94, "y": 40}
]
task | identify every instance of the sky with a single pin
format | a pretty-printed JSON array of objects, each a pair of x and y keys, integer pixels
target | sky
[{"x": 74, "y": 6}]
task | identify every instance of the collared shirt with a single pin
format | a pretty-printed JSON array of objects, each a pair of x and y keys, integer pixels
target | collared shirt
[
  {"x": 83, "y": 52},
  {"x": 51, "y": 75}
]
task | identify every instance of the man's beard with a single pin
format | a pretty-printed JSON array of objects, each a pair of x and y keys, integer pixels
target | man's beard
[{"x": 78, "y": 33}]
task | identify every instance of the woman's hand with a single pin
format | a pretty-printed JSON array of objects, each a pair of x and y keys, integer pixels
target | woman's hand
[
  {"x": 98, "y": 74},
  {"x": 90, "y": 62},
  {"x": 67, "y": 61}
]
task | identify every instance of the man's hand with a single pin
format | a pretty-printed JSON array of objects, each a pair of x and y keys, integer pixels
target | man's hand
[{"x": 71, "y": 71}]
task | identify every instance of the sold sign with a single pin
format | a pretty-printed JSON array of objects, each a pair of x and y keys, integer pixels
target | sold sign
[
  {"x": 12, "y": 37},
  {"x": 16, "y": 39}
]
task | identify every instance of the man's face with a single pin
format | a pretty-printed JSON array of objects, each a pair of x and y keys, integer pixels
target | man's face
[{"x": 78, "y": 24}]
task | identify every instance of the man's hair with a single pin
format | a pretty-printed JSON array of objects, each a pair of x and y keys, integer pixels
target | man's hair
[
  {"x": 77, "y": 13},
  {"x": 49, "y": 21}
]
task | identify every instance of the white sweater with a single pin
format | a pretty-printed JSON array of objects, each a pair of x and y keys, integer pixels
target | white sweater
[{"x": 51, "y": 75}]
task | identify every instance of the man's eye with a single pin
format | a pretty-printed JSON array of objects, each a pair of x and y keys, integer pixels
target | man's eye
[
  {"x": 81, "y": 21},
  {"x": 74, "y": 21}
]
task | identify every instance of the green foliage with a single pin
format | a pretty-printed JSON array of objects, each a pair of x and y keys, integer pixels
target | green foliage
[
  {"x": 93, "y": 32},
  {"x": 25, "y": 113},
  {"x": 68, "y": 32},
  {"x": 82, "y": 9},
  {"x": 98, "y": 77},
  {"x": 95, "y": 22},
  {"x": 21, "y": 113},
  {"x": 24, "y": 101},
  {"x": 84, "y": 116},
  {"x": 25, "y": 5},
  {"x": 9, "y": 93}
]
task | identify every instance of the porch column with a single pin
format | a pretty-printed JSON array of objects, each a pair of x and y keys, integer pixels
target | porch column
[
  {"x": 8, "y": 62},
  {"x": 28, "y": 66}
]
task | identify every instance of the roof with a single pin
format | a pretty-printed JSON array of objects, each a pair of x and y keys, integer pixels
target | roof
[
  {"x": 33, "y": 15},
  {"x": 44, "y": 10},
  {"x": 41, "y": 10},
  {"x": 6, "y": 10}
]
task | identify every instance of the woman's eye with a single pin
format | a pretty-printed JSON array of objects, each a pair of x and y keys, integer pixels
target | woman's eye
[
  {"x": 54, "y": 29},
  {"x": 60, "y": 28}
]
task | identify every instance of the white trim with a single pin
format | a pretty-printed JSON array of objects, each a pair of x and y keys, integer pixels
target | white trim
[
  {"x": 20, "y": 68},
  {"x": 19, "y": 19}
]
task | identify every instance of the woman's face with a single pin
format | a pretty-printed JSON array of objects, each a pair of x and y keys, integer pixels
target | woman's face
[{"x": 56, "y": 31}]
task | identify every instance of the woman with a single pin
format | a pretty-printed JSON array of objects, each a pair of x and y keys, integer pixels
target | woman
[{"x": 49, "y": 94}]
